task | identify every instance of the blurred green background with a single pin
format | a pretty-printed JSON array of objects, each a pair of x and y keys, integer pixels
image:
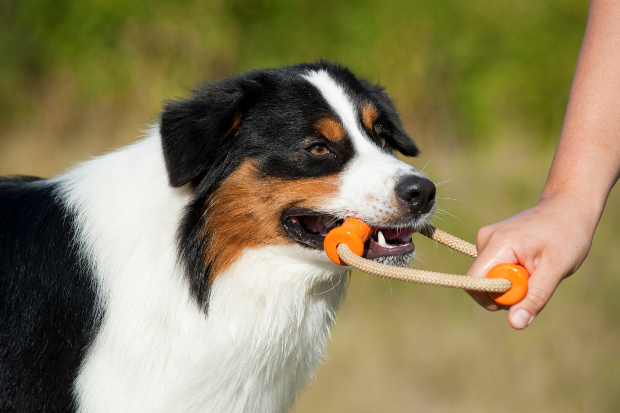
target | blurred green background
[{"x": 482, "y": 86}]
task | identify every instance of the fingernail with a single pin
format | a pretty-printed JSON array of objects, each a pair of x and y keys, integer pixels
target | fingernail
[{"x": 522, "y": 318}]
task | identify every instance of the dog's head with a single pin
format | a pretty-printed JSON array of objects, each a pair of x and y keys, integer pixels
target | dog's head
[{"x": 281, "y": 156}]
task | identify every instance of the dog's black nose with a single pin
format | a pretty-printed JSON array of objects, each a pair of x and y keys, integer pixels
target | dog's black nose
[{"x": 417, "y": 192}]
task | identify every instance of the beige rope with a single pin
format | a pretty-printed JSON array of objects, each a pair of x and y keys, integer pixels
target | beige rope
[
  {"x": 450, "y": 241},
  {"x": 498, "y": 285}
]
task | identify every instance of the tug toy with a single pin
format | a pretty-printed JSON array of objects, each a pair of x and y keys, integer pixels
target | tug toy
[{"x": 505, "y": 283}]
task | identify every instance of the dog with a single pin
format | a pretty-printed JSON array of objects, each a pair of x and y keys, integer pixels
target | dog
[{"x": 185, "y": 273}]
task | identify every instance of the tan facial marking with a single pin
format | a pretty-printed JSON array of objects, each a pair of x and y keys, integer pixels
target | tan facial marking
[
  {"x": 244, "y": 212},
  {"x": 369, "y": 116},
  {"x": 330, "y": 128}
]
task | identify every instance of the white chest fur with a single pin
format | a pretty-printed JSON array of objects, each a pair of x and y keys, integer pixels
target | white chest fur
[
  {"x": 155, "y": 351},
  {"x": 266, "y": 330}
]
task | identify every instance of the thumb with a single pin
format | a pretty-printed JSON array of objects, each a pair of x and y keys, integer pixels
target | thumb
[{"x": 541, "y": 286}]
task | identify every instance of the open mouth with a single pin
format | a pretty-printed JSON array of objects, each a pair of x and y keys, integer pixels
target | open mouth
[{"x": 310, "y": 228}]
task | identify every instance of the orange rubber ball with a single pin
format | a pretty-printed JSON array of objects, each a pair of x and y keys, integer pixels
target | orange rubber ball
[{"x": 518, "y": 275}]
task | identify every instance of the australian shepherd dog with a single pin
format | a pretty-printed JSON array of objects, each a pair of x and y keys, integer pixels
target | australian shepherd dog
[{"x": 185, "y": 272}]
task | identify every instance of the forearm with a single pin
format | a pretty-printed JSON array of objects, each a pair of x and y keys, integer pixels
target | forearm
[
  {"x": 587, "y": 160},
  {"x": 553, "y": 238}
]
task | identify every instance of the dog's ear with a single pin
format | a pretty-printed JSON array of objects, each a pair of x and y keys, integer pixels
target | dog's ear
[
  {"x": 193, "y": 130},
  {"x": 390, "y": 123}
]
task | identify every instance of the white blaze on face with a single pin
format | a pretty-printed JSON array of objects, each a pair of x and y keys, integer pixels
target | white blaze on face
[{"x": 368, "y": 183}]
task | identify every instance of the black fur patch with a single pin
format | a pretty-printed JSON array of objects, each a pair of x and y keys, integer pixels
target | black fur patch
[
  {"x": 388, "y": 125},
  {"x": 47, "y": 296},
  {"x": 267, "y": 116}
]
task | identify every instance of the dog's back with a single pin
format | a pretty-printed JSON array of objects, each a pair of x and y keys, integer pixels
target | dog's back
[{"x": 46, "y": 299}]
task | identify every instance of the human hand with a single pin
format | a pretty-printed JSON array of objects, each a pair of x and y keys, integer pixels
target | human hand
[{"x": 550, "y": 240}]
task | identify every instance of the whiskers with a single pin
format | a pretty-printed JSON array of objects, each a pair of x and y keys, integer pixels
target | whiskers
[
  {"x": 333, "y": 286},
  {"x": 444, "y": 182},
  {"x": 423, "y": 169},
  {"x": 439, "y": 212}
]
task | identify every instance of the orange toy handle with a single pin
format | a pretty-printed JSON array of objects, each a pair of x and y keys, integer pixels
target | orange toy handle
[
  {"x": 519, "y": 278},
  {"x": 352, "y": 232}
]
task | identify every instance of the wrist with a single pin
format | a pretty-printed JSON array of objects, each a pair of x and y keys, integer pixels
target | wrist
[
  {"x": 589, "y": 197},
  {"x": 576, "y": 206}
]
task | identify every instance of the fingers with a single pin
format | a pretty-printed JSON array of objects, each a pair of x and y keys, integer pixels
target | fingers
[
  {"x": 483, "y": 236},
  {"x": 544, "y": 277},
  {"x": 542, "y": 285},
  {"x": 484, "y": 300},
  {"x": 491, "y": 253},
  {"x": 550, "y": 240}
]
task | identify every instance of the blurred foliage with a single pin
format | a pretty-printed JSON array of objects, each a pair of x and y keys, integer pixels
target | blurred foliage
[{"x": 468, "y": 69}]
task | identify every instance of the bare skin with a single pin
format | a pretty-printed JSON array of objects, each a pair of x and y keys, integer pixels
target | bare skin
[{"x": 552, "y": 239}]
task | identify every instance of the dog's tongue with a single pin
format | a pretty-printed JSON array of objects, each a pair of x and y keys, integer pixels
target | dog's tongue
[
  {"x": 314, "y": 225},
  {"x": 318, "y": 225}
]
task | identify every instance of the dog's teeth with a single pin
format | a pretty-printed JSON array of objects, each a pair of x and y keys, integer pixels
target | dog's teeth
[{"x": 381, "y": 239}]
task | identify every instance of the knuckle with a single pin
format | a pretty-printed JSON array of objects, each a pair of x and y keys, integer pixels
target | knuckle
[
  {"x": 493, "y": 233},
  {"x": 538, "y": 298},
  {"x": 503, "y": 238},
  {"x": 483, "y": 234}
]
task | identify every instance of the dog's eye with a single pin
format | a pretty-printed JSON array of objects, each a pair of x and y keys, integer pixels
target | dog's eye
[
  {"x": 382, "y": 142},
  {"x": 319, "y": 149}
]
